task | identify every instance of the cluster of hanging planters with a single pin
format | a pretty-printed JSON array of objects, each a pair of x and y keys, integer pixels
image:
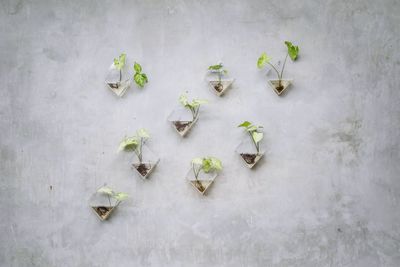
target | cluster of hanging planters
[{"x": 204, "y": 170}]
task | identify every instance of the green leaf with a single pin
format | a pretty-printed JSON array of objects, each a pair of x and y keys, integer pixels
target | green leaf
[
  {"x": 119, "y": 62},
  {"x": 257, "y": 137},
  {"x": 183, "y": 99},
  {"x": 143, "y": 133},
  {"x": 106, "y": 190},
  {"x": 140, "y": 79},
  {"x": 293, "y": 51},
  {"x": 251, "y": 128},
  {"x": 120, "y": 196},
  {"x": 197, "y": 161},
  {"x": 137, "y": 67},
  {"x": 263, "y": 60},
  {"x": 198, "y": 102},
  {"x": 245, "y": 124},
  {"x": 129, "y": 143},
  {"x": 211, "y": 164},
  {"x": 215, "y": 67}
]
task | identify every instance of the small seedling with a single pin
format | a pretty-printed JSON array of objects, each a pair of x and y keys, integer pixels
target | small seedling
[
  {"x": 119, "y": 64},
  {"x": 139, "y": 77},
  {"x": 114, "y": 199},
  {"x": 280, "y": 84},
  {"x": 183, "y": 126},
  {"x": 206, "y": 165},
  {"x": 220, "y": 85},
  {"x": 136, "y": 144},
  {"x": 256, "y": 135}
]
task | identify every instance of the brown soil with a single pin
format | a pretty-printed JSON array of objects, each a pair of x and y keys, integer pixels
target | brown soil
[
  {"x": 102, "y": 211},
  {"x": 199, "y": 185},
  {"x": 143, "y": 169},
  {"x": 279, "y": 88},
  {"x": 114, "y": 85},
  {"x": 181, "y": 126},
  {"x": 249, "y": 158},
  {"x": 218, "y": 87}
]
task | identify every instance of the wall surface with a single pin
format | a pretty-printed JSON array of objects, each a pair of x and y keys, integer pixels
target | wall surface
[{"x": 326, "y": 193}]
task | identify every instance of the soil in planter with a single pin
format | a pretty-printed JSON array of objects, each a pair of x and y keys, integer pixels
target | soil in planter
[
  {"x": 114, "y": 85},
  {"x": 249, "y": 158},
  {"x": 181, "y": 126},
  {"x": 102, "y": 211},
  {"x": 279, "y": 88},
  {"x": 142, "y": 168},
  {"x": 201, "y": 185},
  {"x": 219, "y": 87}
]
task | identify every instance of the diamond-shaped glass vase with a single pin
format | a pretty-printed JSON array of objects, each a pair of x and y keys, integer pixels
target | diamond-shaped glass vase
[
  {"x": 146, "y": 164},
  {"x": 219, "y": 83},
  {"x": 118, "y": 81},
  {"x": 102, "y": 205},
  {"x": 280, "y": 87},
  {"x": 248, "y": 151},
  {"x": 203, "y": 181},
  {"x": 182, "y": 120}
]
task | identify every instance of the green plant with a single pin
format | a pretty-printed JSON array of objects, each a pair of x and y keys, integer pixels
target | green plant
[
  {"x": 292, "y": 52},
  {"x": 255, "y": 133},
  {"x": 219, "y": 69},
  {"x": 206, "y": 164},
  {"x": 135, "y": 143},
  {"x": 193, "y": 106},
  {"x": 139, "y": 77},
  {"x": 119, "y": 63},
  {"x": 118, "y": 196}
]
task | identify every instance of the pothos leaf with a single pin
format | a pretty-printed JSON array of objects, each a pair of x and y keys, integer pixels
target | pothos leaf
[
  {"x": 137, "y": 67},
  {"x": 257, "y": 136},
  {"x": 293, "y": 50},
  {"x": 106, "y": 190},
  {"x": 215, "y": 67},
  {"x": 245, "y": 124},
  {"x": 198, "y": 102},
  {"x": 129, "y": 143},
  {"x": 211, "y": 163},
  {"x": 120, "y": 196},
  {"x": 197, "y": 161},
  {"x": 263, "y": 60},
  {"x": 143, "y": 133},
  {"x": 119, "y": 62},
  {"x": 140, "y": 79},
  {"x": 183, "y": 99}
]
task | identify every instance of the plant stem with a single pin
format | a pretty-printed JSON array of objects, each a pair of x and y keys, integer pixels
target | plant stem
[
  {"x": 277, "y": 72},
  {"x": 283, "y": 67},
  {"x": 139, "y": 153},
  {"x": 254, "y": 142},
  {"x": 120, "y": 75}
]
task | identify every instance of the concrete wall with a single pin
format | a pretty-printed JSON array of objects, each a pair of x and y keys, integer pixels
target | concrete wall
[{"x": 326, "y": 193}]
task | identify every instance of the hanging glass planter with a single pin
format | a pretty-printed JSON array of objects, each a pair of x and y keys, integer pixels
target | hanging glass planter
[
  {"x": 184, "y": 117},
  {"x": 203, "y": 172},
  {"x": 118, "y": 78},
  {"x": 145, "y": 162},
  {"x": 251, "y": 148},
  {"x": 218, "y": 79},
  {"x": 105, "y": 200}
]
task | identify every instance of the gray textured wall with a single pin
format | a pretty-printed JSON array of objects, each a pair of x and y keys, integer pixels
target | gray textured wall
[{"x": 326, "y": 193}]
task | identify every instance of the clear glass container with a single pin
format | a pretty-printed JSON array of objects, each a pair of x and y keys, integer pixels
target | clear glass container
[
  {"x": 219, "y": 82},
  {"x": 102, "y": 205},
  {"x": 118, "y": 81},
  {"x": 182, "y": 120},
  {"x": 249, "y": 152},
  {"x": 146, "y": 164},
  {"x": 203, "y": 181}
]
